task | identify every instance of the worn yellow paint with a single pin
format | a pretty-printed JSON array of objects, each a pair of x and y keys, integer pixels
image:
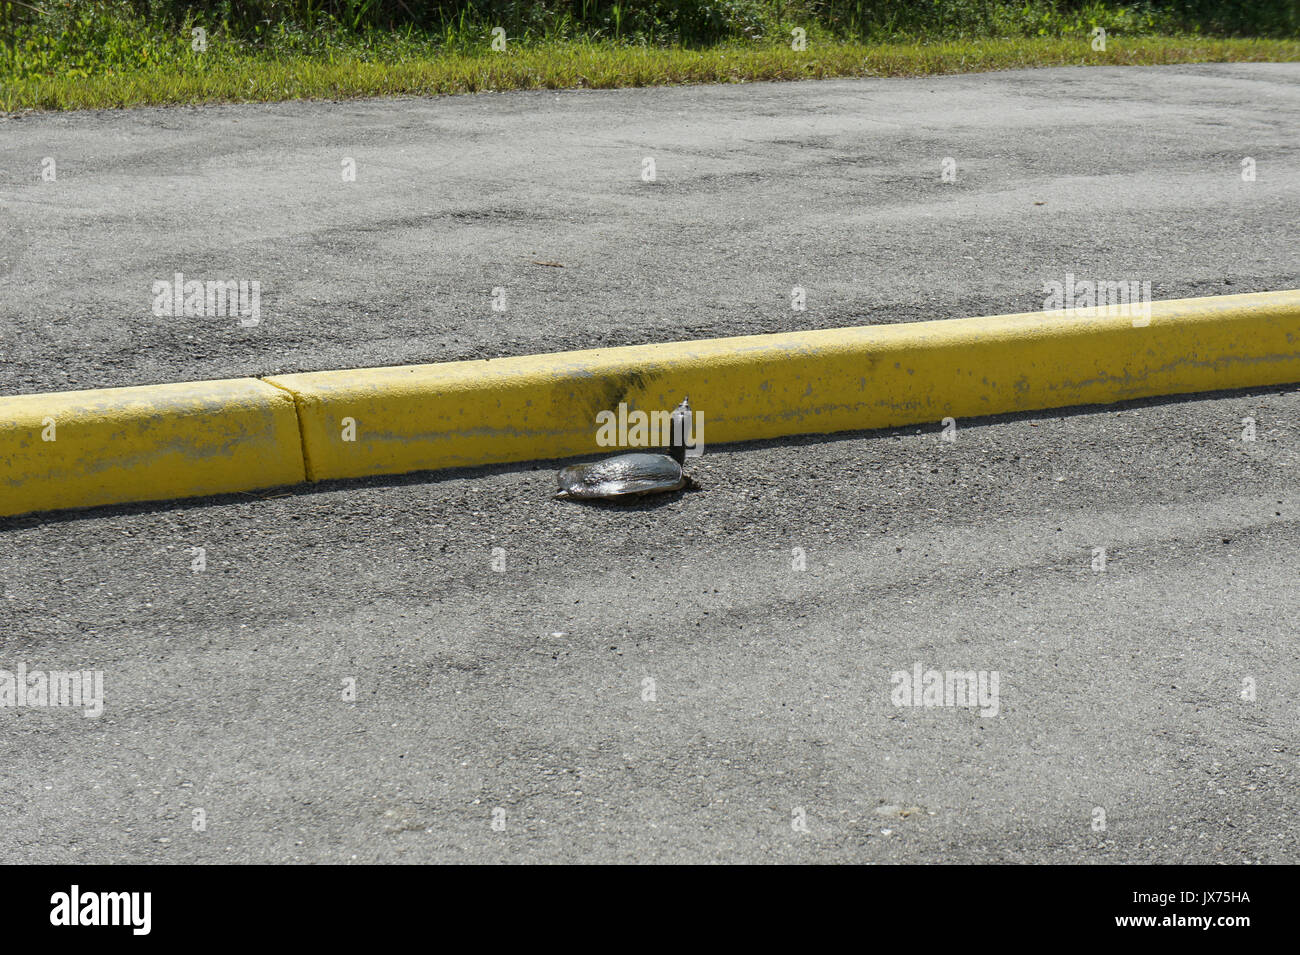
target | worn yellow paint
[
  {"x": 478, "y": 412},
  {"x": 159, "y": 442},
  {"x": 168, "y": 441}
]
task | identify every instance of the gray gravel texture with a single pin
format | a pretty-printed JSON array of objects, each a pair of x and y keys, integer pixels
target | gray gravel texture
[{"x": 832, "y": 186}]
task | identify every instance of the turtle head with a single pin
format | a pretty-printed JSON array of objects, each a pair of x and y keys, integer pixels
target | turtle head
[{"x": 681, "y": 427}]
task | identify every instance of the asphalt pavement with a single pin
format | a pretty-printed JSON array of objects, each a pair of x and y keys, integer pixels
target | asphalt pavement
[
  {"x": 455, "y": 667},
  {"x": 836, "y": 187}
]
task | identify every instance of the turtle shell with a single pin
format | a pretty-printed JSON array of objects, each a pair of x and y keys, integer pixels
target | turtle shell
[{"x": 622, "y": 476}]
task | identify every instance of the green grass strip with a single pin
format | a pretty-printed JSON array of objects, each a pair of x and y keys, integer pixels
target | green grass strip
[{"x": 595, "y": 65}]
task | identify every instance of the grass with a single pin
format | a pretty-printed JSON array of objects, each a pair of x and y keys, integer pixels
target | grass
[{"x": 249, "y": 76}]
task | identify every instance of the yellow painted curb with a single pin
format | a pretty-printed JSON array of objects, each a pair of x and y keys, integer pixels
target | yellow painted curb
[
  {"x": 86, "y": 448},
  {"x": 409, "y": 418},
  {"x": 113, "y": 446}
]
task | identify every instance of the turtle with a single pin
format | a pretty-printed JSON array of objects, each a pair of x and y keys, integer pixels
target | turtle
[{"x": 632, "y": 475}]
